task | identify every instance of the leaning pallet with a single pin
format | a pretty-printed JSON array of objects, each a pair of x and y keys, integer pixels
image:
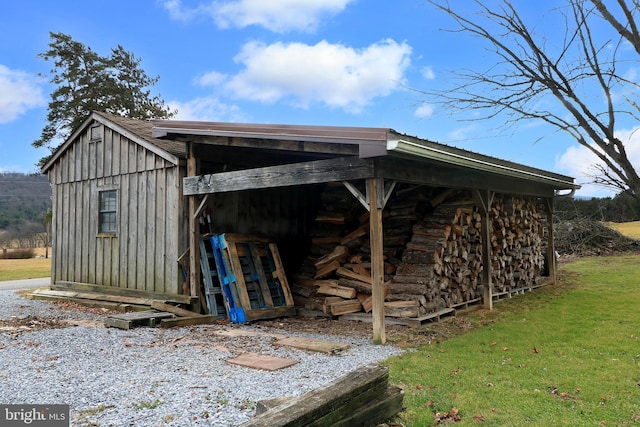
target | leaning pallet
[{"x": 252, "y": 278}]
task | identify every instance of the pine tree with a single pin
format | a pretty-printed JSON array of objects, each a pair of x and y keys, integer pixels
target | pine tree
[{"x": 86, "y": 82}]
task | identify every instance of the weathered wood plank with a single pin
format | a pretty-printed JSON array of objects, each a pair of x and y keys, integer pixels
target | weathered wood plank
[
  {"x": 375, "y": 187},
  {"x": 189, "y": 321},
  {"x": 314, "y": 172},
  {"x": 88, "y": 287},
  {"x": 173, "y": 309},
  {"x": 381, "y": 409},
  {"x": 340, "y": 397}
]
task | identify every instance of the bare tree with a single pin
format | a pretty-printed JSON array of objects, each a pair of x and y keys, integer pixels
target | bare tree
[{"x": 586, "y": 75}]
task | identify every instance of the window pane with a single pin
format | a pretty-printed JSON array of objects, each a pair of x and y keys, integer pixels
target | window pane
[
  {"x": 107, "y": 215},
  {"x": 107, "y": 222}
]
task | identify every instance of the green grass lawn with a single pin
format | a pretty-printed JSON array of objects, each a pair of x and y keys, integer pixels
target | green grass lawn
[
  {"x": 564, "y": 355},
  {"x": 32, "y": 268}
]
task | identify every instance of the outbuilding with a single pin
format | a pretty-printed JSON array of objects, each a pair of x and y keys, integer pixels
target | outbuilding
[{"x": 413, "y": 224}]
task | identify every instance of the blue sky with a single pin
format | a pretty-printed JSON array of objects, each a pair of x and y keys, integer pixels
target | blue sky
[{"x": 320, "y": 62}]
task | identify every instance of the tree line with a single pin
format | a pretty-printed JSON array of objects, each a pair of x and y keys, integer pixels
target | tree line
[
  {"x": 624, "y": 207},
  {"x": 25, "y": 200}
]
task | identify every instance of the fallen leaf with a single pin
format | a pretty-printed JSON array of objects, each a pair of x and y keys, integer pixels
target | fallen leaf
[
  {"x": 429, "y": 403},
  {"x": 478, "y": 418}
]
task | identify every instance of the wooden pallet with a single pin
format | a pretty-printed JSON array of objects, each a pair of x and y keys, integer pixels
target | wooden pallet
[
  {"x": 252, "y": 277},
  {"x": 136, "y": 318},
  {"x": 212, "y": 288},
  {"x": 436, "y": 316}
]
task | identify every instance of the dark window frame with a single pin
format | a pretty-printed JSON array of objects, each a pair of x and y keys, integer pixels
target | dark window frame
[{"x": 108, "y": 212}]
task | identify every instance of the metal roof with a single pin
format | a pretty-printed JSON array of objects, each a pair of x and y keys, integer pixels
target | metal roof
[
  {"x": 373, "y": 142},
  {"x": 329, "y": 134}
]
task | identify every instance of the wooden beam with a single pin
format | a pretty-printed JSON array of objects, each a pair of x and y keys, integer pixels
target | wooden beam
[
  {"x": 357, "y": 194},
  {"x": 551, "y": 250},
  {"x": 314, "y": 172},
  {"x": 484, "y": 199},
  {"x": 375, "y": 187},
  {"x": 194, "y": 230},
  {"x": 332, "y": 403},
  {"x": 126, "y": 292},
  {"x": 201, "y": 207}
]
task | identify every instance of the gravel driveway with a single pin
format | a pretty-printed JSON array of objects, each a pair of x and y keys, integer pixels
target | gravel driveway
[{"x": 54, "y": 353}]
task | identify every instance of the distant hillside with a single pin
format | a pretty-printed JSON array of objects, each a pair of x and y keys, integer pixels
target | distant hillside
[{"x": 23, "y": 199}]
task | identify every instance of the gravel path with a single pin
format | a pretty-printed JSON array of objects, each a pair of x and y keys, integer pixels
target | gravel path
[{"x": 151, "y": 376}]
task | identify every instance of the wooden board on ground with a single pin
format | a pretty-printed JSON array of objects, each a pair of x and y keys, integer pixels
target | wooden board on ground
[
  {"x": 189, "y": 321},
  {"x": 260, "y": 361},
  {"x": 143, "y": 318},
  {"x": 173, "y": 309},
  {"x": 311, "y": 344},
  {"x": 362, "y": 397}
]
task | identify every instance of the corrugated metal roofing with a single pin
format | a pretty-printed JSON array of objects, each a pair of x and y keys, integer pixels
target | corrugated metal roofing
[
  {"x": 373, "y": 142},
  {"x": 335, "y": 134}
]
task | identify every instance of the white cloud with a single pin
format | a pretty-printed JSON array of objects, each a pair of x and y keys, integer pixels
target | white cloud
[
  {"x": 333, "y": 74},
  {"x": 578, "y": 161},
  {"x": 424, "y": 111},
  {"x": 463, "y": 133},
  {"x": 208, "y": 109},
  {"x": 428, "y": 73},
  {"x": 19, "y": 92},
  {"x": 277, "y": 16},
  {"x": 212, "y": 78},
  {"x": 179, "y": 13}
]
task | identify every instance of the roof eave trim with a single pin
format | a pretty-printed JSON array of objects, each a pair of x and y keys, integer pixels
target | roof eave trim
[{"x": 411, "y": 148}]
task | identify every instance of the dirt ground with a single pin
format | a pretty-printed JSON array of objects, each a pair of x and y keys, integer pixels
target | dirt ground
[{"x": 403, "y": 336}]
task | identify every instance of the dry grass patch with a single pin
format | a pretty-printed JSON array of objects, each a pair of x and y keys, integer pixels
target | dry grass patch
[
  {"x": 629, "y": 229},
  {"x": 17, "y": 269}
]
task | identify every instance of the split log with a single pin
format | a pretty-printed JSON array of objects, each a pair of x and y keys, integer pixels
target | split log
[
  {"x": 344, "y": 307},
  {"x": 331, "y": 287}
]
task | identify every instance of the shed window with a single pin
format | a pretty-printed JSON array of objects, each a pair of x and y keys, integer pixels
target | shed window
[
  {"x": 107, "y": 213},
  {"x": 95, "y": 133}
]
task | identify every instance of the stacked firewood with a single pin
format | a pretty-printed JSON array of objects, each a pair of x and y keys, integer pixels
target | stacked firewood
[
  {"x": 517, "y": 250},
  {"x": 432, "y": 250},
  {"x": 336, "y": 277}
]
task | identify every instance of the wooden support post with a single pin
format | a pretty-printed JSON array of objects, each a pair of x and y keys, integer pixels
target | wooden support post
[
  {"x": 484, "y": 199},
  {"x": 551, "y": 250},
  {"x": 375, "y": 190},
  {"x": 194, "y": 230}
]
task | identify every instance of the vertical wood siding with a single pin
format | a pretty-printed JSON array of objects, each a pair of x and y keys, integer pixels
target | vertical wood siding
[{"x": 143, "y": 253}]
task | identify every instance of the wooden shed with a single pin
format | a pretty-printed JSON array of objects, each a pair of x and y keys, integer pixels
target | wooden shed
[{"x": 131, "y": 197}]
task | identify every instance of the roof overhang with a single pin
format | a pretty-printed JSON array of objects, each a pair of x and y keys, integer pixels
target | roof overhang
[
  {"x": 371, "y": 142},
  {"x": 479, "y": 162}
]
